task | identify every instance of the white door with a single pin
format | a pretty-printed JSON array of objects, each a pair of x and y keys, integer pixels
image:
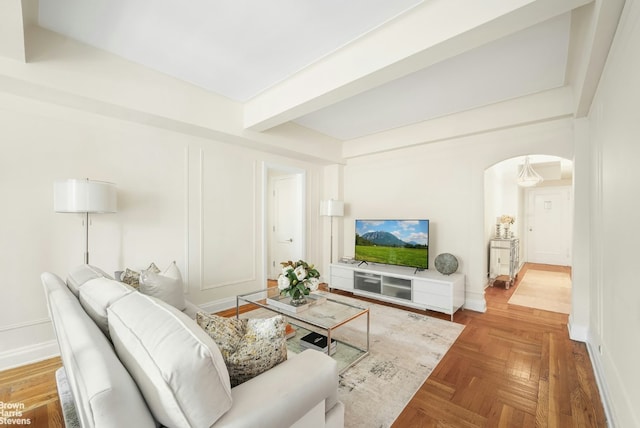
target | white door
[
  {"x": 549, "y": 225},
  {"x": 285, "y": 237}
]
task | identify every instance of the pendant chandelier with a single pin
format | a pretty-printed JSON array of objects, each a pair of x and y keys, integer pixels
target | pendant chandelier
[{"x": 528, "y": 177}]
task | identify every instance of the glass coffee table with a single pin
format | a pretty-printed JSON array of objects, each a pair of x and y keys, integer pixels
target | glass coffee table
[{"x": 323, "y": 316}]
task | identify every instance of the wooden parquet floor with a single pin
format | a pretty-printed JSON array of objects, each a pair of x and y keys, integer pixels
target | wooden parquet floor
[
  {"x": 511, "y": 367},
  {"x": 34, "y": 385}
]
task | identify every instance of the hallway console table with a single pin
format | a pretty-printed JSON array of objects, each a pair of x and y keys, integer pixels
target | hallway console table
[{"x": 504, "y": 259}]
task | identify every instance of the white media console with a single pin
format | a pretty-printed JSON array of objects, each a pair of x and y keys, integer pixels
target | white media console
[{"x": 423, "y": 289}]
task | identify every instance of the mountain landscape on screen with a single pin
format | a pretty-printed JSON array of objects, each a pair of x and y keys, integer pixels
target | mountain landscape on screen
[{"x": 394, "y": 242}]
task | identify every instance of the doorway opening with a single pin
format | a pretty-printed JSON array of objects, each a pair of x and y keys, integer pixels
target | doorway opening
[
  {"x": 284, "y": 217},
  {"x": 542, "y": 215}
]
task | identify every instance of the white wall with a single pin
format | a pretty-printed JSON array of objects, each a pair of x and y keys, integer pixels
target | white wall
[
  {"x": 445, "y": 183},
  {"x": 502, "y": 196},
  {"x": 190, "y": 180},
  {"x": 182, "y": 198},
  {"x": 615, "y": 203}
]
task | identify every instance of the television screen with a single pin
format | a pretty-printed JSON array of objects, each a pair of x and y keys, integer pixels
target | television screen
[{"x": 393, "y": 242}]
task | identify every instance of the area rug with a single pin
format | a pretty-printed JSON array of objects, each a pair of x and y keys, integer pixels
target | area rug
[
  {"x": 66, "y": 400},
  {"x": 405, "y": 347},
  {"x": 549, "y": 291}
]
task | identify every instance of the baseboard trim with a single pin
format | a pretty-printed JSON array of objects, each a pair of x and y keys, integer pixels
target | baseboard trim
[
  {"x": 577, "y": 332},
  {"x": 28, "y": 354},
  {"x": 477, "y": 305},
  {"x": 596, "y": 363},
  {"x": 219, "y": 305}
]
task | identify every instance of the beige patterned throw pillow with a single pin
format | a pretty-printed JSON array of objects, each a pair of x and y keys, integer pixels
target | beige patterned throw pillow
[
  {"x": 249, "y": 346},
  {"x": 132, "y": 277}
]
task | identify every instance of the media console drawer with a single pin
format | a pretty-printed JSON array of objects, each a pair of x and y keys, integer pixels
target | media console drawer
[
  {"x": 341, "y": 283},
  {"x": 432, "y": 300},
  {"x": 341, "y": 278},
  {"x": 432, "y": 287}
]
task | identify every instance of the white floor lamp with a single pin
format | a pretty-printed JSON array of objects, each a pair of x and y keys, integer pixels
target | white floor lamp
[
  {"x": 331, "y": 208},
  {"x": 84, "y": 196}
]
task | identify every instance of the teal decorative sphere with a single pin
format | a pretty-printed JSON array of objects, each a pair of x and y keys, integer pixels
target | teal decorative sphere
[{"x": 446, "y": 263}]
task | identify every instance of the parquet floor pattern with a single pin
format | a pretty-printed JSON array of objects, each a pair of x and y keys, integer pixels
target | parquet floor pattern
[
  {"x": 34, "y": 385},
  {"x": 511, "y": 367}
]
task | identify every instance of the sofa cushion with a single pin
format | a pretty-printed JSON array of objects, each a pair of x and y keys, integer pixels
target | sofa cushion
[
  {"x": 166, "y": 287},
  {"x": 177, "y": 366},
  {"x": 287, "y": 392},
  {"x": 249, "y": 346},
  {"x": 80, "y": 275},
  {"x": 97, "y": 294}
]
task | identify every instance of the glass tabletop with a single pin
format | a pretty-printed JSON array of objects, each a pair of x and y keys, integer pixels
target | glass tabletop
[{"x": 322, "y": 311}]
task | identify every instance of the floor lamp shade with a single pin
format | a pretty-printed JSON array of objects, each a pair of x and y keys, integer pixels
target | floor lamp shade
[
  {"x": 332, "y": 208},
  {"x": 84, "y": 196}
]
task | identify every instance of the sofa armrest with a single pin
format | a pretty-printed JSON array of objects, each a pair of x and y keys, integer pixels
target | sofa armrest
[{"x": 281, "y": 396}]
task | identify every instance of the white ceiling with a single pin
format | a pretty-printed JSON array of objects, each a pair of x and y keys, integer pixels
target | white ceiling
[
  {"x": 240, "y": 48},
  {"x": 234, "y": 48}
]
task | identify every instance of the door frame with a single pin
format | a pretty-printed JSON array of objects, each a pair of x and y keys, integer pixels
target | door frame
[{"x": 300, "y": 174}]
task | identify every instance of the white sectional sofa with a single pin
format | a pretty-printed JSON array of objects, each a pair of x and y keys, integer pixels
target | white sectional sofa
[{"x": 133, "y": 361}]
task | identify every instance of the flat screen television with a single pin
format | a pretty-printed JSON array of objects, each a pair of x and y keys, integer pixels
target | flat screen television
[{"x": 393, "y": 242}]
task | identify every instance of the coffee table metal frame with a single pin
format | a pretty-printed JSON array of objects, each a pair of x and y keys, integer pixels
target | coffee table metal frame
[{"x": 313, "y": 315}]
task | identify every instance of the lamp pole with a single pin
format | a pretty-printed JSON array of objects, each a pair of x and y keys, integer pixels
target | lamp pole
[{"x": 331, "y": 208}]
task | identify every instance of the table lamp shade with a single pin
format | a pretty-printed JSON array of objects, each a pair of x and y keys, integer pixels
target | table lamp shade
[{"x": 84, "y": 196}]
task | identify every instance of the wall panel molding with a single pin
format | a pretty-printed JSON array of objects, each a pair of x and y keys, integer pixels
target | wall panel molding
[
  {"x": 229, "y": 205},
  {"x": 20, "y": 325}
]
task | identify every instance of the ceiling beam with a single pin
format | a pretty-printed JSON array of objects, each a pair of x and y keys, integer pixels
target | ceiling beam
[
  {"x": 71, "y": 75},
  {"x": 601, "y": 18},
  {"x": 548, "y": 106},
  {"x": 432, "y": 32}
]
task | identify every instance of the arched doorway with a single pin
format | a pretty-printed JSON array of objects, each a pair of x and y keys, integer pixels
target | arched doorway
[{"x": 543, "y": 215}]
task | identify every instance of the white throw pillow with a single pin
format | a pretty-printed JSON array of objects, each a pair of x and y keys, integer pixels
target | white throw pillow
[
  {"x": 167, "y": 288},
  {"x": 172, "y": 271},
  {"x": 176, "y": 365}
]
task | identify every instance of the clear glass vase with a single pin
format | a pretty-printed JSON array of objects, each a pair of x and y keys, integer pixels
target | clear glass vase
[{"x": 298, "y": 299}]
